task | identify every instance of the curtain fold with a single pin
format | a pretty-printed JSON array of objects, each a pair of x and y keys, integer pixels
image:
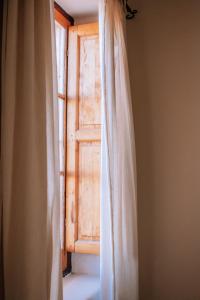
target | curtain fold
[
  {"x": 119, "y": 250},
  {"x": 29, "y": 157}
]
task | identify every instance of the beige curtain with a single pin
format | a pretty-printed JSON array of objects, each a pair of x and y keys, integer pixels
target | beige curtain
[
  {"x": 119, "y": 253},
  {"x": 29, "y": 143}
]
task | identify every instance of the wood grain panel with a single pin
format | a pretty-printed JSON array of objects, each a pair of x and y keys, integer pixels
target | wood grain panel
[
  {"x": 83, "y": 141},
  {"x": 89, "y": 83},
  {"x": 89, "y": 191}
]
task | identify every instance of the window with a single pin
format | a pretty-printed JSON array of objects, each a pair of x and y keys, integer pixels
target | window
[
  {"x": 79, "y": 135},
  {"x": 62, "y": 23}
]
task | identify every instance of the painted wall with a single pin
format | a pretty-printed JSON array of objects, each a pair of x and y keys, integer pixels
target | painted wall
[{"x": 164, "y": 55}]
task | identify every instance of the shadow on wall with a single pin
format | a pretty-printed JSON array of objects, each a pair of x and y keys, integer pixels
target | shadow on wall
[{"x": 164, "y": 60}]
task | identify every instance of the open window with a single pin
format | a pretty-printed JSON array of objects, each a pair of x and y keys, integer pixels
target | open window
[
  {"x": 62, "y": 23},
  {"x": 79, "y": 135}
]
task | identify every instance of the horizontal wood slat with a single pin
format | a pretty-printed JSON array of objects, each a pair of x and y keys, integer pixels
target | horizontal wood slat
[
  {"x": 85, "y": 247},
  {"x": 84, "y": 135}
]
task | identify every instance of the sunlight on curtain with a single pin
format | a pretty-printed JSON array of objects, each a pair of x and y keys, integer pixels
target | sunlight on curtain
[
  {"x": 119, "y": 245},
  {"x": 61, "y": 46}
]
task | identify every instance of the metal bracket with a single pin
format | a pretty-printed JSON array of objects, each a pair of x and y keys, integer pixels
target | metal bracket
[{"x": 130, "y": 13}]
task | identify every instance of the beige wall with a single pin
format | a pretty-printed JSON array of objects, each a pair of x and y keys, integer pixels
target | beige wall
[{"x": 164, "y": 54}]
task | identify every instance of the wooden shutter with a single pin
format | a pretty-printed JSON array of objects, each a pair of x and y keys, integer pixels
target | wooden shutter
[{"x": 83, "y": 141}]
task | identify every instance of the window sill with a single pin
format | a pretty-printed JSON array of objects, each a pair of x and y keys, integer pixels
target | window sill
[{"x": 81, "y": 287}]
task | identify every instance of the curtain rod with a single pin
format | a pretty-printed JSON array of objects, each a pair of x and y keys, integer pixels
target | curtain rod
[{"x": 130, "y": 13}]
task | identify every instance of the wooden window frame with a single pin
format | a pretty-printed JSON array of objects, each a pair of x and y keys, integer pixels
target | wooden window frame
[
  {"x": 82, "y": 245},
  {"x": 62, "y": 17},
  {"x": 65, "y": 20}
]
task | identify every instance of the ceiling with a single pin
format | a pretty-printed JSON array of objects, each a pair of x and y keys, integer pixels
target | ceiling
[{"x": 79, "y": 8}]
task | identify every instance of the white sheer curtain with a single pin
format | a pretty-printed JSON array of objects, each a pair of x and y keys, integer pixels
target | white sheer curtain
[
  {"x": 29, "y": 144},
  {"x": 119, "y": 254}
]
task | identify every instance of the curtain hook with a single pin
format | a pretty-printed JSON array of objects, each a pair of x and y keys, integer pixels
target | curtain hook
[{"x": 130, "y": 13}]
